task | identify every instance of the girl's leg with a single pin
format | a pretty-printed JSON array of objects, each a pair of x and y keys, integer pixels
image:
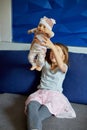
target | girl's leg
[
  {"x": 44, "y": 112},
  {"x": 36, "y": 114},
  {"x": 32, "y": 115}
]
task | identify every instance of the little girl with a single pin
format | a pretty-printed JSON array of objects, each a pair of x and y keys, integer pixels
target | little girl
[{"x": 49, "y": 100}]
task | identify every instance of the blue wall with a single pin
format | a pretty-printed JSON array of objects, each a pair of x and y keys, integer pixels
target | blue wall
[{"x": 70, "y": 16}]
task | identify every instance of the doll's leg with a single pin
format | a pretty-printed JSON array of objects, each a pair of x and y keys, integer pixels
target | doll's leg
[
  {"x": 36, "y": 114},
  {"x": 40, "y": 60},
  {"x": 31, "y": 58}
]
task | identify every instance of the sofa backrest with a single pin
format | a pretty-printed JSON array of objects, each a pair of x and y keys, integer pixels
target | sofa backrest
[{"x": 15, "y": 76}]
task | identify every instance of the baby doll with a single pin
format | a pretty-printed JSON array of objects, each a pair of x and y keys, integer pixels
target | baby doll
[{"x": 37, "y": 52}]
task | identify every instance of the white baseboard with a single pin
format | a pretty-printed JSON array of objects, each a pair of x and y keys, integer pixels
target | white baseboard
[{"x": 26, "y": 46}]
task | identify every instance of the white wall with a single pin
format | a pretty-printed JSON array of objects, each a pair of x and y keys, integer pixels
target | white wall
[{"x": 5, "y": 21}]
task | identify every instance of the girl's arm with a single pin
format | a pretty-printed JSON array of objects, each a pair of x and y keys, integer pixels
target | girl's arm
[{"x": 59, "y": 59}]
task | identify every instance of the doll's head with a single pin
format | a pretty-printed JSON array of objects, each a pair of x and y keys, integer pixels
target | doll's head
[{"x": 45, "y": 26}]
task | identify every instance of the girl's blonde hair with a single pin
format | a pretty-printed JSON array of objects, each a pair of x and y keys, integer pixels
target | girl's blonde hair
[{"x": 65, "y": 51}]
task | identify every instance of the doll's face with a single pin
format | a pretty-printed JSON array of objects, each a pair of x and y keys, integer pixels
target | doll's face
[{"x": 43, "y": 29}]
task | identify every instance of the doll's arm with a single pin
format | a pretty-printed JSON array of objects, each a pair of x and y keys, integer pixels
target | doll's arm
[{"x": 32, "y": 30}]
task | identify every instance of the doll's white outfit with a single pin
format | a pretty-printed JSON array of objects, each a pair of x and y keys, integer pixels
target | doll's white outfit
[
  {"x": 50, "y": 93},
  {"x": 37, "y": 53}
]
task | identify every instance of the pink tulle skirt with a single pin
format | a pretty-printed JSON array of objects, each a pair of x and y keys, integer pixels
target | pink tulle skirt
[{"x": 55, "y": 101}]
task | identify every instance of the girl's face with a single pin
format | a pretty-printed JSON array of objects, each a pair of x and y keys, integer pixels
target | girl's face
[{"x": 52, "y": 57}]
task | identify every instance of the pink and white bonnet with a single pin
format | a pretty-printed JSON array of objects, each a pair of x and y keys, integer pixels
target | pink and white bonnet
[{"x": 48, "y": 22}]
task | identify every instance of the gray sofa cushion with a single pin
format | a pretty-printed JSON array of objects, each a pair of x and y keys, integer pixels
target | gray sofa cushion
[
  {"x": 78, "y": 123},
  {"x": 12, "y": 115}
]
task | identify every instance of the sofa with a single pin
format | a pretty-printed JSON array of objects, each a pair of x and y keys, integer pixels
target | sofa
[{"x": 17, "y": 82}]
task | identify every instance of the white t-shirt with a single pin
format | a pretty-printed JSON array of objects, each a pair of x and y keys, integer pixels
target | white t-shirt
[{"x": 52, "y": 79}]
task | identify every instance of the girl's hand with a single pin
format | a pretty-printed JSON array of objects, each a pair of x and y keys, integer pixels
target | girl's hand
[{"x": 48, "y": 43}]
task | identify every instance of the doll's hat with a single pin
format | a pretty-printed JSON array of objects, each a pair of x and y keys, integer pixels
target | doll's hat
[{"x": 48, "y": 22}]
